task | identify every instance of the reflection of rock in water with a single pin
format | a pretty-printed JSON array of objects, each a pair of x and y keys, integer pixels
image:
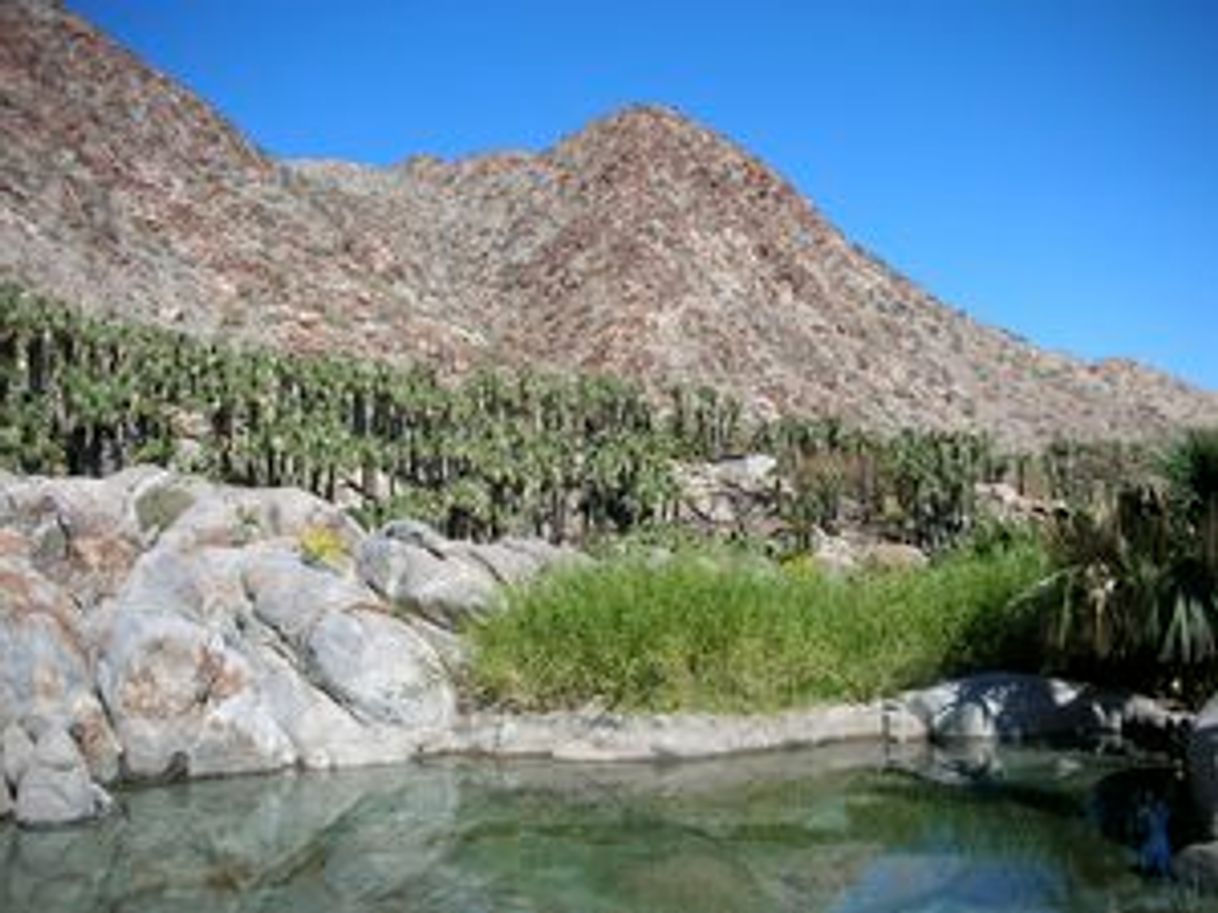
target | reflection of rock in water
[
  {"x": 909, "y": 883},
  {"x": 797, "y": 831},
  {"x": 292, "y": 843},
  {"x": 1145, "y": 809},
  {"x": 691, "y": 878}
]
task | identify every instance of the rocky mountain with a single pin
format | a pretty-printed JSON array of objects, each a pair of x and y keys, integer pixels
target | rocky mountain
[{"x": 644, "y": 245}]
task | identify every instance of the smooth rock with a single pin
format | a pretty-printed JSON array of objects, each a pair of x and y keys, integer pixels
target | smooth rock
[
  {"x": 447, "y": 591},
  {"x": 233, "y": 517},
  {"x": 179, "y": 694},
  {"x": 323, "y": 731},
  {"x": 1196, "y": 867},
  {"x": 50, "y": 796},
  {"x": 1002, "y": 705},
  {"x": 77, "y": 528},
  {"x": 597, "y": 737},
  {"x": 291, "y": 596},
  {"x": 18, "y": 752},
  {"x": 381, "y": 669},
  {"x": 44, "y": 669},
  {"x": 416, "y": 532},
  {"x": 967, "y": 720},
  {"x": 57, "y": 751},
  {"x": 893, "y": 556},
  {"x": 510, "y": 566},
  {"x": 100, "y": 746},
  {"x": 1202, "y": 759},
  {"x": 56, "y": 788}
]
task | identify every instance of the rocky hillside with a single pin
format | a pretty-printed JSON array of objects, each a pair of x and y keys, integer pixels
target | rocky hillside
[{"x": 644, "y": 245}]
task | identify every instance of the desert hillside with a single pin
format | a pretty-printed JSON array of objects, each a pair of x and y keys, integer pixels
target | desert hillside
[{"x": 644, "y": 244}]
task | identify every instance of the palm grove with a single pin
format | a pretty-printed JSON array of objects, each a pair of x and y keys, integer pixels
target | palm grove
[{"x": 1135, "y": 555}]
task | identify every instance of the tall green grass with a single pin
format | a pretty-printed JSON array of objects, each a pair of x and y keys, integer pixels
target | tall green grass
[{"x": 723, "y": 633}]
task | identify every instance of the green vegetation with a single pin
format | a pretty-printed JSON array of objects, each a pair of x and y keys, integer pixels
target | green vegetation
[
  {"x": 496, "y": 453},
  {"x": 729, "y": 632},
  {"x": 321, "y": 546},
  {"x": 1134, "y": 593},
  {"x": 492, "y": 454},
  {"x": 1128, "y": 592}
]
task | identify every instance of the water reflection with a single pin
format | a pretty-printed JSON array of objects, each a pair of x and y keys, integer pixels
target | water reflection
[{"x": 804, "y": 831}]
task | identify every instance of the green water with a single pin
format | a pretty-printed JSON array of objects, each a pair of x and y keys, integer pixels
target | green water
[{"x": 830, "y": 830}]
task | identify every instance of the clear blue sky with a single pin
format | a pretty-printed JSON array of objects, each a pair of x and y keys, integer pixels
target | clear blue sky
[{"x": 1050, "y": 166}]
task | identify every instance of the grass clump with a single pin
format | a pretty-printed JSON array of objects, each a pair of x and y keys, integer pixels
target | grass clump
[{"x": 730, "y": 633}]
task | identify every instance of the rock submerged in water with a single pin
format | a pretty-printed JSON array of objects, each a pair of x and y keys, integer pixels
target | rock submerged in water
[{"x": 156, "y": 625}]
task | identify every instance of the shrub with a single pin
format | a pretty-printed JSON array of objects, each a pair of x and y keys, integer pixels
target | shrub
[
  {"x": 321, "y": 546},
  {"x": 715, "y": 631},
  {"x": 1133, "y": 595}
]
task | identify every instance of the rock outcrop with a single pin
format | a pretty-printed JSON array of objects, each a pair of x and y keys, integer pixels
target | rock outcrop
[
  {"x": 209, "y": 640},
  {"x": 54, "y": 785},
  {"x": 1010, "y": 706},
  {"x": 154, "y": 625}
]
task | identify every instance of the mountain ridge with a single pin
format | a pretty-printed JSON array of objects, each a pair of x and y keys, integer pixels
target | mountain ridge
[{"x": 644, "y": 245}]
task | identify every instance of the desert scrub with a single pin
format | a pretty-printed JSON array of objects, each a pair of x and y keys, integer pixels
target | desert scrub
[
  {"x": 320, "y": 546},
  {"x": 720, "y": 632}
]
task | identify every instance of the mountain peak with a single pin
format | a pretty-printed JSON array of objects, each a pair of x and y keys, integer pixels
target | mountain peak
[{"x": 645, "y": 244}]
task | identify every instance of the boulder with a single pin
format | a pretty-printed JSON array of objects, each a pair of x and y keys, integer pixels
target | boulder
[
  {"x": 968, "y": 719},
  {"x": 234, "y": 517},
  {"x": 835, "y": 555},
  {"x": 44, "y": 667},
  {"x": 893, "y": 556},
  {"x": 1202, "y": 759},
  {"x": 17, "y": 750},
  {"x": 418, "y": 533},
  {"x": 56, "y": 788},
  {"x": 183, "y": 699},
  {"x": 732, "y": 495},
  {"x": 381, "y": 670},
  {"x": 446, "y": 590},
  {"x": 6, "y": 801},
  {"x": 542, "y": 554},
  {"x": 77, "y": 528},
  {"x": 507, "y": 565},
  {"x": 323, "y": 731},
  {"x": 1007, "y": 706},
  {"x": 290, "y": 596},
  {"x": 220, "y": 660},
  {"x": 1196, "y": 867}
]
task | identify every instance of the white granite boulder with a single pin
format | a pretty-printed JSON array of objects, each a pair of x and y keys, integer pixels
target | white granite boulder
[{"x": 55, "y": 787}]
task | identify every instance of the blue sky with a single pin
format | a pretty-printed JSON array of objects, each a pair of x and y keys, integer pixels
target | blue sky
[{"x": 1050, "y": 166}]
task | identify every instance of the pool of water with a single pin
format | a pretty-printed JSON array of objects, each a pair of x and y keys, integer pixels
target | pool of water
[{"x": 847, "y": 830}]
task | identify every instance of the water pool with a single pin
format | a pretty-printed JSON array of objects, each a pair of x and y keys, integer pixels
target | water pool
[{"x": 847, "y": 830}]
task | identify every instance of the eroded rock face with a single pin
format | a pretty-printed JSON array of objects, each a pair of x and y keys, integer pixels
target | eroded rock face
[{"x": 154, "y": 625}]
